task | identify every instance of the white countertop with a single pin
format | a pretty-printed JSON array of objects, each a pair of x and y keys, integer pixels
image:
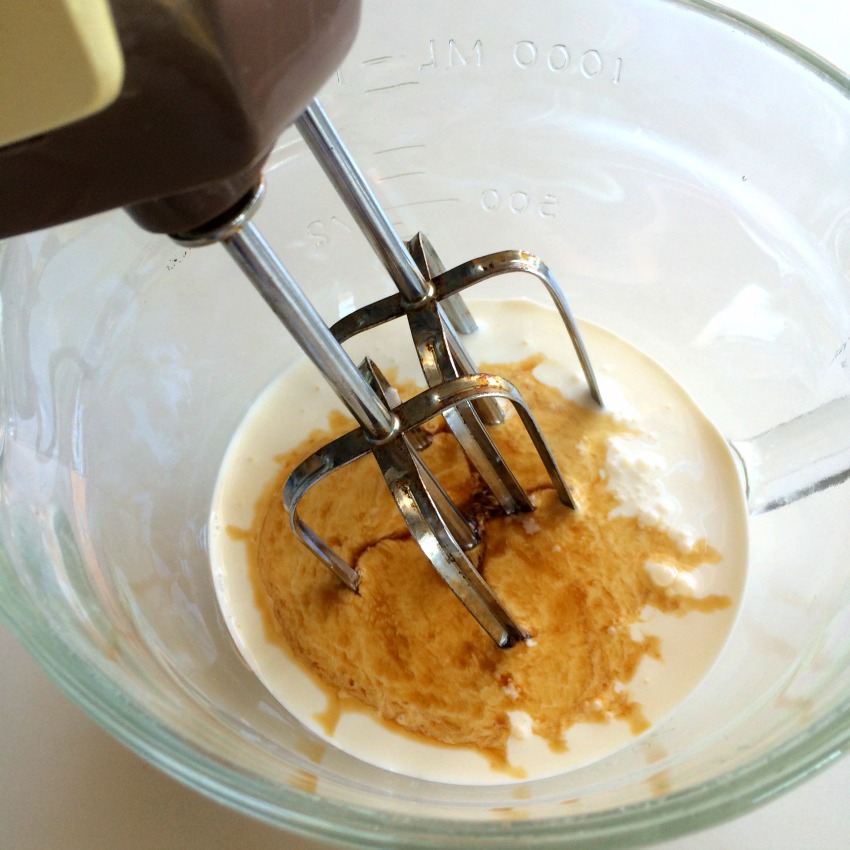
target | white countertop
[{"x": 66, "y": 784}]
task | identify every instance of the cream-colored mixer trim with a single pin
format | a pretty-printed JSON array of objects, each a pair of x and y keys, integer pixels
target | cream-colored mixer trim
[{"x": 60, "y": 60}]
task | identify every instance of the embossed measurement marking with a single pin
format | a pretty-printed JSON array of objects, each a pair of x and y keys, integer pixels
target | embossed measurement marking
[
  {"x": 590, "y": 63},
  {"x": 321, "y": 231},
  {"x": 519, "y": 202},
  {"x": 442, "y": 54},
  {"x": 398, "y": 148},
  {"x": 392, "y": 86},
  {"x": 453, "y": 56},
  {"x": 420, "y": 203},
  {"x": 558, "y": 57},
  {"x": 397, "y": 176}
]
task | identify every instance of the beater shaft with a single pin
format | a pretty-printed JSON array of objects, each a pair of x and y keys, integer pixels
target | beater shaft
[
  {"x": 401, "y": 264},
  {"x": 289, "y": 303},
  {"x": 330, "y": 151},
  {"x": 280, "y": 291}
]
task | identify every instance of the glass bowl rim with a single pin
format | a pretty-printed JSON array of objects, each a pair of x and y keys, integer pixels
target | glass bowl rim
[{"x": 664, "y": 817}]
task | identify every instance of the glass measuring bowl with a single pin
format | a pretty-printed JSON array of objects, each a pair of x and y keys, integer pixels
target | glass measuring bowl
[{"x": 681, "y": 173}]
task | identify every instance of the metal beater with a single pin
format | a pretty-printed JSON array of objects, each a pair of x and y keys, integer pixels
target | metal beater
[
  {"x": 182, "y": 103},
  {"x": 429, "y": 298}
]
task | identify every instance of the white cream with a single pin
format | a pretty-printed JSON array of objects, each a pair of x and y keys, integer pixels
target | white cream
[{"x": 678, "y": 472}]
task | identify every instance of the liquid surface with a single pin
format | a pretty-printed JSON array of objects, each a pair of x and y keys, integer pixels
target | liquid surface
[{"x": 660, "y": 470}]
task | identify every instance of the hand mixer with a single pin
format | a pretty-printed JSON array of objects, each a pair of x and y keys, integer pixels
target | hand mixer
[{"x": 174, "y": 106}]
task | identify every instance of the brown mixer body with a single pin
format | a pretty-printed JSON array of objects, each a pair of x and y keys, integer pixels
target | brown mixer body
[{"x": 209, "y": 85}]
